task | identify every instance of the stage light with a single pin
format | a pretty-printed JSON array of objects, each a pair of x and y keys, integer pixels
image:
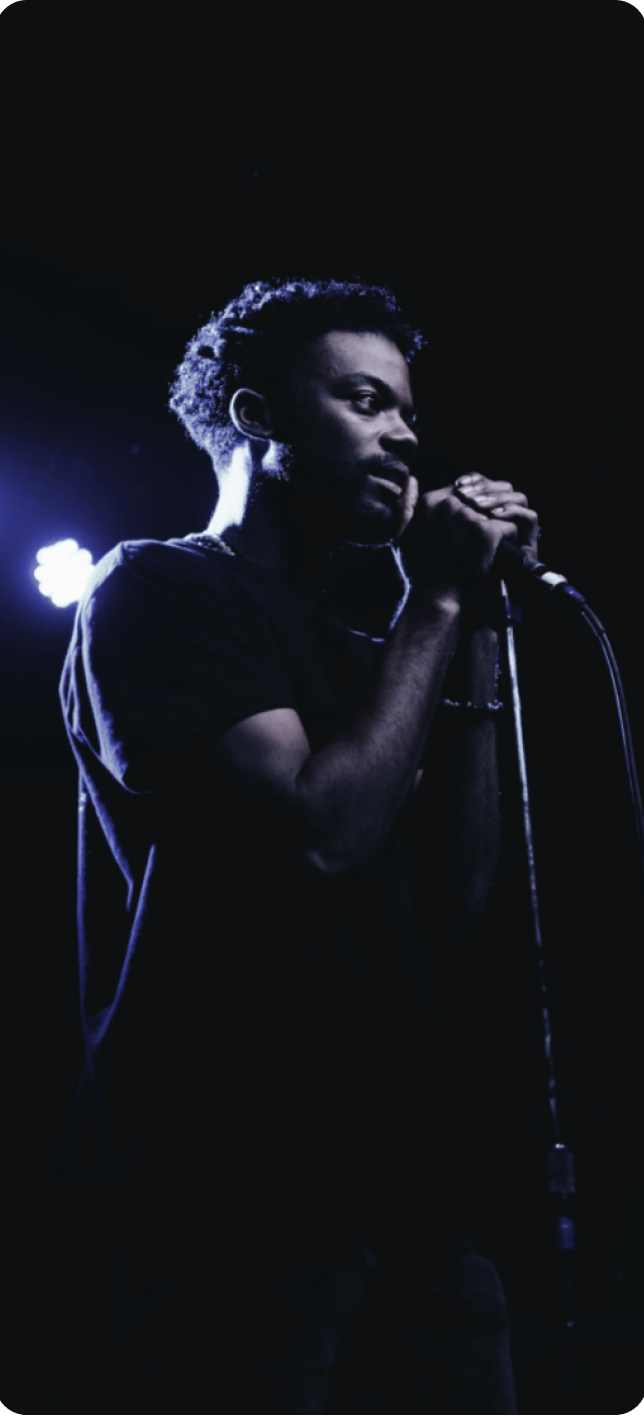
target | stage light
[{"x": 63, "y": 571}]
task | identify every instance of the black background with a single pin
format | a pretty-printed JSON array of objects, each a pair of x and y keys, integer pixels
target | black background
[{"x": 489, "y": 170}]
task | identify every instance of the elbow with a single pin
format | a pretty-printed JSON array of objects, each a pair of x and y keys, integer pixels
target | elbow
[
  {"x": 337, "y": 836},
  {"x": 340, "y": 854},
  {"x": 329, "y": 863},
  {"x": 313, "y": 860},
  {"x": 331, "y": 843}
]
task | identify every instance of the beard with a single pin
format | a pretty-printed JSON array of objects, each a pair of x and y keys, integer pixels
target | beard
[{"x": 331, "y": 495}]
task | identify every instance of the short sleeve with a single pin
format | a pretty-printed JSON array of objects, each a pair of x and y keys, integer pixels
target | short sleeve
[{"x": 165, "y": 654}]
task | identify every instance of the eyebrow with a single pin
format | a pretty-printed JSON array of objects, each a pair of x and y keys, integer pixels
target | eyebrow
[{"x": 382, "y": 388}]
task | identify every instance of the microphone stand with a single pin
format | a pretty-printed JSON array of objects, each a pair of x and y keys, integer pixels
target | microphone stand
[{"x": 560, "y": 1162}]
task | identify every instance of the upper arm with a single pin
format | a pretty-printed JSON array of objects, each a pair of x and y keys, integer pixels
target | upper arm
[{"x": 265, "y": 753}]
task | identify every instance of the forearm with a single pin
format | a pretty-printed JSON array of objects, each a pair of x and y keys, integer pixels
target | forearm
[
  {"x": 476, "y": 802},
  {"x": 352, "y": 790},
  {"x": 457, "y": 818}
]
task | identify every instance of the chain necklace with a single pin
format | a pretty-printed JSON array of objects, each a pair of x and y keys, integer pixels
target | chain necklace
[{"x": 213, "y": 543}]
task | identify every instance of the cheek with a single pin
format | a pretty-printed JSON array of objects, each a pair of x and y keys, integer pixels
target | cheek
[{"x": 335, "y": 425}]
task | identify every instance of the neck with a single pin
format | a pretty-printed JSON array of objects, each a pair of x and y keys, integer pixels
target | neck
[{"x": 256, "y": 517}]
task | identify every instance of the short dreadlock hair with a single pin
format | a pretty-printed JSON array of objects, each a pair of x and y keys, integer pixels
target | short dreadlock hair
[{"x": 249, "y": 344}]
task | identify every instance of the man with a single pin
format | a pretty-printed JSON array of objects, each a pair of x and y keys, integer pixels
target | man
[{"x": 260, "y": 1098}]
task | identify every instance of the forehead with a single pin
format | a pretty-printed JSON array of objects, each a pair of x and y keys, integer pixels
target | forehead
[{"x": 342, "y": 353}]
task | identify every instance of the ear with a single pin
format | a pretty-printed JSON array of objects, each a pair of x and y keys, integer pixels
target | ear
[{"x": 250, "y": 413}]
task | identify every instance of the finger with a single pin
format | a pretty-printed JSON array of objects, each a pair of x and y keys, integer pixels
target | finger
[
  {"x": 512, "y": 509},
  {"x": 492, "y": 527},
  {"x": 524, "y": 514},
  {"x": 469, "y": 479},
  {"x": 408, "y": 505},
  {"x": 526, "y": 520},
  {"x": 410, "y": 496},
  {"x": 439, "y": 494},
  {"x": 498, "y": 485},
  {"x": 495, "y": 532},
  {"x": 474, "y": 483},
  {"x": 491, "y": 494}
]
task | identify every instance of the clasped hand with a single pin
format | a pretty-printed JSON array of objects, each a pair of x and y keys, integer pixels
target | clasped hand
[{"x": 450, "y": 536}]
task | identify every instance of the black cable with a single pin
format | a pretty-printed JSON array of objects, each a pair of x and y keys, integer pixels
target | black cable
[
  {"x": 521, "y": 568},
  {"x": 597, "y": 627}
]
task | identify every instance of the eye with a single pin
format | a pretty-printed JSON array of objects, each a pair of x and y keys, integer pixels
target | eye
[{"x": 365, "y": 397}]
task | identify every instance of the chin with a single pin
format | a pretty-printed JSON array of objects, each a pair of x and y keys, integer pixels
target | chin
[{"x": 373, "y": 528}]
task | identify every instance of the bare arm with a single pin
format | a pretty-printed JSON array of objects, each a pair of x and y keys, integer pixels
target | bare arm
[
  {"x": 357, "y": 784},
  {"x": 455, "y": 824},
  {"x": 338, "y": 804},
  {"x": 476, "y": 788},
  {"x": 457, "y": 818}
]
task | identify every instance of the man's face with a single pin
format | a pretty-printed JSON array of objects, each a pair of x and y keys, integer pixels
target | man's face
[{"x": 349, "y": 415}]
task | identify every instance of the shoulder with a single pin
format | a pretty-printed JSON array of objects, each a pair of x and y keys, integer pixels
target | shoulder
[
  {"x": 175, "y": 558},
  {"x": 152, "y": 600},
  {"x": 148, "y": 569}
]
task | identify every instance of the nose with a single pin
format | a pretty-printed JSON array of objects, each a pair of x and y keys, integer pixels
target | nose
[{"x": 398, "y": 437}]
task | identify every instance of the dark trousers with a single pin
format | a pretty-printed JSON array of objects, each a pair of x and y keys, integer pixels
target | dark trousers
[{"x": 392, "y": 1335}]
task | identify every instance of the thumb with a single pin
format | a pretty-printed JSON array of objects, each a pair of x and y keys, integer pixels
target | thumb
[{"x": 409, "y": 500}]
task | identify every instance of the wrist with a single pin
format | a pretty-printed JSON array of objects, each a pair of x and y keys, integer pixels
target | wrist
[{"x": 426, "y": 601}]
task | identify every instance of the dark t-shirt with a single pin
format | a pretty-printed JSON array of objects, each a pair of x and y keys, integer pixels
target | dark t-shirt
[{"x": 254, "y": 1031}]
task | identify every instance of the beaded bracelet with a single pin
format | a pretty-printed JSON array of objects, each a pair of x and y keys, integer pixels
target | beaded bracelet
[{"x": 472, "y": 707}]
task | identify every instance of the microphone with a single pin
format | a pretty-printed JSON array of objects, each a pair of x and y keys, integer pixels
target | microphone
[{"x": 518, "y": 567}]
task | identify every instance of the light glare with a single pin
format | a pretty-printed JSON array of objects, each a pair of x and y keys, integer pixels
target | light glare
[
  {"x": 63, "y": 571},
  {"x": 58, "y": 552}
]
